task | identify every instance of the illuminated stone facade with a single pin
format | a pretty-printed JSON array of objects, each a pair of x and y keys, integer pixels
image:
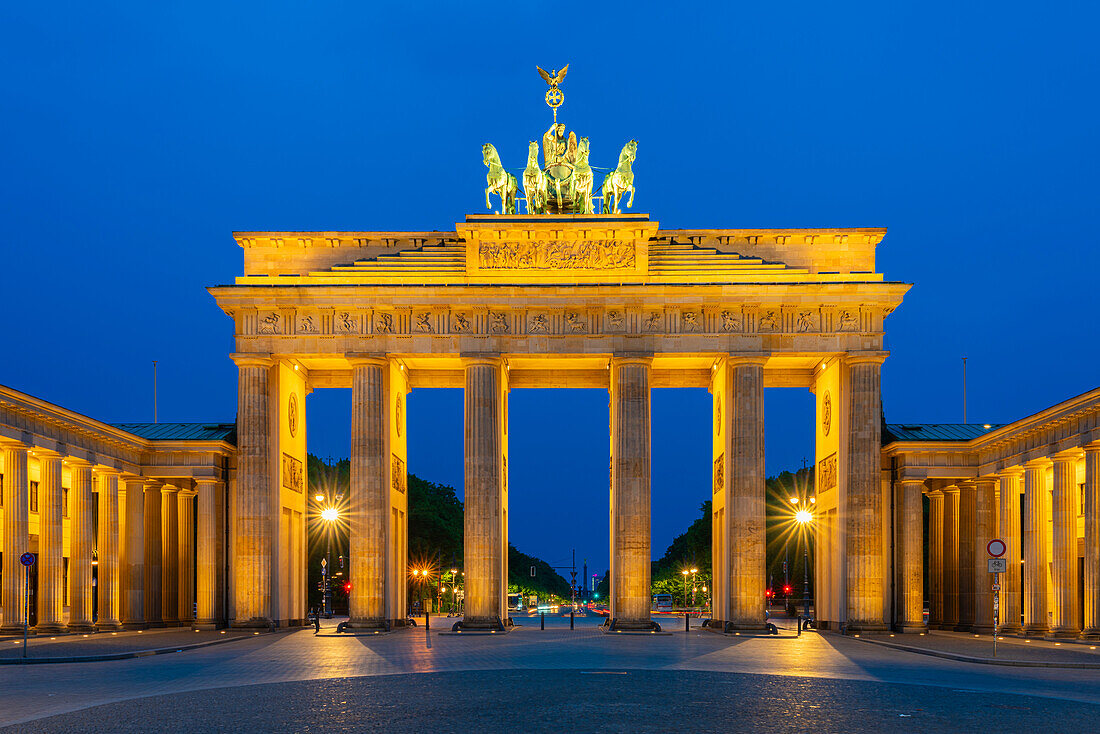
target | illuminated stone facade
[
  {"x": 607, "y": 301},
  {"x": 109, "y": 511}
]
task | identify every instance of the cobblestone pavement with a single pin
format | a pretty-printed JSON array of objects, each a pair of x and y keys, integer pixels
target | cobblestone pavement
[
  {"x": 578, "y": 700},
  {"x": 211, "y": 677},
  {"x": 100, "y": 643}
]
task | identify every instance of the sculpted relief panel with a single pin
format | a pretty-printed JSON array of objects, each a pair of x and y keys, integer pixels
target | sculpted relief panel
[{"x": 554, "y": 255}]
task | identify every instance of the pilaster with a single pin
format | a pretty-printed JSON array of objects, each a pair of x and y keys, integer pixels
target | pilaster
[
  {"x": 985, "y": 524},
  {"x": 967, "y": 557},
  {"x": 206, "y": 581},
  {"x": 153, "y": 572},
  {"x": 81, "y": 545},
  {"x": 169, "y": 559},
  {"x": 910, "y": 555},
  {"x": 186, "y": 556},
  {"x": 935, "y": 558},
  {"x": 132, "y": 571},
  {"x": 1011, "y": 481},
  {"x": 950, "y": 557}
]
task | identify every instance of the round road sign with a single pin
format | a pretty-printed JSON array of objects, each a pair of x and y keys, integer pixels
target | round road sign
[
  {"x": 27, "y": 559},
  {"x": 996, "y": 547}
]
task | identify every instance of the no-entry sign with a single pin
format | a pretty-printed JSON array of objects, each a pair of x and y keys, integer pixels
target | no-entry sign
[{"x": 996, "y": 547}]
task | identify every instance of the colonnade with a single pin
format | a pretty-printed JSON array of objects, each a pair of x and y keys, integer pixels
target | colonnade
[
  {"x": 123, "y": 541},
  {"x": 1039, "y": 593}
]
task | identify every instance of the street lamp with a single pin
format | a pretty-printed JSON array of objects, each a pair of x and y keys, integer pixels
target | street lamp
[
  {"x": 804, "y": 517},
  {"x": 329, "y": 515}
]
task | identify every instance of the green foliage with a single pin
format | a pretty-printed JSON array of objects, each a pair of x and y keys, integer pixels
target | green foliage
[
  {"x": 435, "y": 523},
  {"x": 545, "y": 582}
]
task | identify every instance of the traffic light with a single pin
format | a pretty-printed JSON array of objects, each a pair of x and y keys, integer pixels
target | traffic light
[
  {"x": 768, "y": 593},
  {"x": 347, "y": 587},
  {"x": 787, "y": 589}
]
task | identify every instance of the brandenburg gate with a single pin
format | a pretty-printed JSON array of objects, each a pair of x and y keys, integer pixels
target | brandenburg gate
[
  {"x": 601, "y": 300},
  {"x": 569, "y": 294}
]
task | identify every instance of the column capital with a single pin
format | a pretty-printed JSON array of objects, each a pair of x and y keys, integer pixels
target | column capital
[
  {"x": 738, "y": 359},
  {"x": 252, "y": 360},
  {"x": 934, "y": 493},
  {"x": 1092, "y": 448},
  {"x": 1041, "y": 463},
  {"x": 1068, "y": 456},
  {"x": 187, "y": 493},
  {"x": 206, "y": 480},
  {"x": 988, "y": 479},
  {"x": 951, "y": 489},
  {"x": 169, "y": 488},
  {"x": 40, "y": 453},
  {"x": 627, "y": 358},
  {"x": 75, "y": 463},
  {"x": 903, "y": 481},
  {"x": 1011, "y": 472},
  {"x": 492, "y": 359},
  {"x": 852, "y": 358},
  {"x": 366, "y": 359},
  {"x": 101, "y": 470}
]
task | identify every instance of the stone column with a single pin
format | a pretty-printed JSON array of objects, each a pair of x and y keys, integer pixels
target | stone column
[
  {"x": 153, "y": 573},
  {"x": 16, "y": 536},
  {"x": 935, "y": 558},
  {"x": 745, "y": 502},
  {"x": 1009, "y": 530},
  {"x": 484, "y": 522},
  {"x": 950, "y": 557},
  {"x": 1036, "y": 555},
  {"x": 370, "y": 487},
  {"x": 81, "y": 543},
  {"x": 206, "y": 576},
  {"x": 863, "y": 504},
  {"x": 186, "y": 557},
  {"x": 985, "y": 529},
  {"x": 1064, "y": 566},
  {"x": 1092, "y": 541},
  {"x": 910, "y": 555},
  {"x": 107, "y": 582},
  {"x": 169, "y": 558},
  {"x": 132, "y": 578},
  {"x": 51, "y": 564},
  {"x": 252, "y": 550},
  {"x": 967, "y": 560}
]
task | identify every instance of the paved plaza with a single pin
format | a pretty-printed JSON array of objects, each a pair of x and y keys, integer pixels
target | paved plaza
[{"x": 538, "y": 680}]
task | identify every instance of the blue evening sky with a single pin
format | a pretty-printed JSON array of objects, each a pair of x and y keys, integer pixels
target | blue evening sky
[{"x": 137, "y": 137}]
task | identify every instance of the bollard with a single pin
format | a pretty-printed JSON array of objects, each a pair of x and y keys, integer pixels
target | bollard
[
  {"x": 570, "y": 619},
  {"x": 542, "y": 620},
  {"x": 427, "y": 619},
  {"x": 800, "y": 625},
  {"x": 687, "y": 622}
]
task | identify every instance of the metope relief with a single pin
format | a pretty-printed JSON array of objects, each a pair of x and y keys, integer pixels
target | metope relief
[
  {"x": 770, "y": 320},
  {"x": 539, "y": 324},
  {"x": 498, "y": 322},
  {"x": 307, "y": 324},
  {"x": 424, "y": 323},
  {"x": 345, "y": 323},
  {"x": 806, "y": 322},
  {"x": 848, "y": 321},
  {"x": 554, "y": 255},
  {"x": 826, "y": 473},
  {"x": 269, "y": 324},
  {"x": 383, "y": 323},
  {"x": 689, "y": 322},
  {"x": 460, "y": 323},
  {"x": 652, "y": 322},
  {"x": 731, "y": 321},
  {"x": 576, "y": 323},
  {"x": 615, "y": 320}
]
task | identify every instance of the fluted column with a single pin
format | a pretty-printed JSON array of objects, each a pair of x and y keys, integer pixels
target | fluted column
[
  {"x": 16, "y": 536},
  {"x": 985, "y": 528},
  {"x": 864, "y": 494},
  {"x": 51, "y": 564},
  {"x": 910, "y": 555},
  {"x": 107, "y": 581},
  {"x": 132, "y": 571},
  {"x": 186, "y": 557},
  {"x": 169, "y": 558},
  {"x": 950, "y": 557},
  {"x": 81, "y": 544},
  {"x": 369, "y": 493},
  {"x": 485, "y": 475},
  {"x": 1036, "y": 552},
  {"x": 935, "y": 558},
  {"x": 1064, "y": 545},
  {"x": 745, "y": 502},
  {"x": 206, "y": 576},
  {"x": 1092, "y": 541},
  {"x": 154, "y": 553},
  {"x": 967, "y": 558},
  {"x": 1011, "y": 601},
  {"x": 252, "y": 550}
]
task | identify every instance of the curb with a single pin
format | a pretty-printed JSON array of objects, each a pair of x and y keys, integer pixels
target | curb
[
  {"x": 131, "y": 654},
  {"x": 980, "y": 661}
]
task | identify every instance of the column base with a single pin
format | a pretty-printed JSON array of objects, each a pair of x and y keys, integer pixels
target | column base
[
  {"x": 1010, "y": 630},
  {"x": 964, "y": 628},
  {"x": 155, "y": 624},
  {"x": 11, "y": 629},
  {"x": 134, "y": 625},
  {"x": 1065, "y": 633},
  {"x": 83, "y": 627},
  {"x": 472, "y": 624},
  {"x": 368, "y": 623},
  {"x": 906, "y": 628},
  {"x": 1036, "y": 631},
  {"x": 982, "y": 629},
  {"x": 204, "y": 624},
  {"x": 853, "y": 627},
  {"x": 254, "y": 623},
  {"x": 619, "y": 624},
  {"x": 108, "y": 626},
  {"x": 50, "y": 628},
  {"x": 1093, "y": 633}
]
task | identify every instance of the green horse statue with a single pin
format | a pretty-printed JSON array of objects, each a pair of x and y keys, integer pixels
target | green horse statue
[
  {"x": 499, "y": 181},
  {"x": 620, "y": 181}
]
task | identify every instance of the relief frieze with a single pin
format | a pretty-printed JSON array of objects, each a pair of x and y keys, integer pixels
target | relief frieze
[{"x": 557, "y": 255}]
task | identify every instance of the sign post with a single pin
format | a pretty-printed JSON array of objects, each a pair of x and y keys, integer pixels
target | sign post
[
  {"x": 27, "y": 559},
  {"x": 997, "y": 565}
]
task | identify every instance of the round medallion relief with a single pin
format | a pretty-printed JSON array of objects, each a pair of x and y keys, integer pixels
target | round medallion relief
[
  {"x": 826, "y": 413},
  {"x": 292, "y": 414}
]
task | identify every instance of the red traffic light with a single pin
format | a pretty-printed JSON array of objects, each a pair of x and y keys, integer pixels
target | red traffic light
[
  {"x": 768, "y": 592},
  {"x": 787, "y": 589},
  {"x": 347, "y": 587}
]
